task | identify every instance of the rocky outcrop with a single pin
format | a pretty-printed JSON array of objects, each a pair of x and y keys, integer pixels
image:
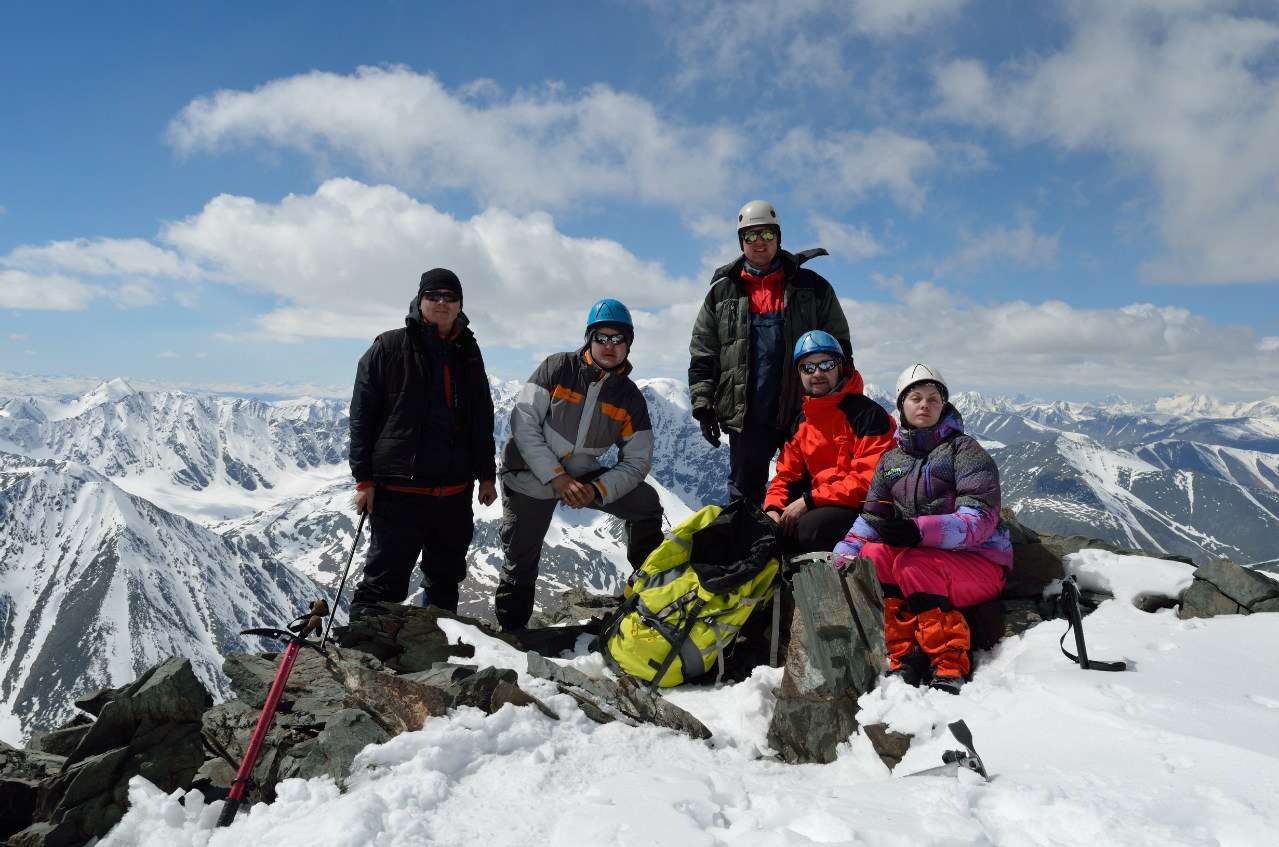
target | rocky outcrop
[
  {"x": 394, "y": 669},
  {"x": 149, "y": 728},
  {"x": 389, "y": 673},
  {"x": 1224, "y": 588}
]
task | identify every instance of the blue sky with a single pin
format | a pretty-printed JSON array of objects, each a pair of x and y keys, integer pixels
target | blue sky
[{"x": 1062, "y": 199}]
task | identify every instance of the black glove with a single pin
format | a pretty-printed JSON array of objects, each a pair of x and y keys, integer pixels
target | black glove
[
  {"x": 899, "y": 532},
  {"x": 710, "y": 426}
]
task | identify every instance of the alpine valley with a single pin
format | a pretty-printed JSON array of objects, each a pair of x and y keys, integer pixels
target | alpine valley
[{"x": 138, "y": 525}]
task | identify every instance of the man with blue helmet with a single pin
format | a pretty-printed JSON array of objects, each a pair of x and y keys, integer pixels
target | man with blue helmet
[
  {"x": 757, "y": 308},
  {"x": 575, "y": 407},
  {"x": 825, "y": 468}
]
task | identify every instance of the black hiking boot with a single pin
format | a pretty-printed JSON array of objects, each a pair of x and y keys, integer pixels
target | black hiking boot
[
  {"x": 513, "y": 605},
  {"x": 914, "y": 669},
  {"x": 949, "y": 684}
]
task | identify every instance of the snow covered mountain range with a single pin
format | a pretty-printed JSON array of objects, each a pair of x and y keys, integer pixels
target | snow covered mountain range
[{"x": 136, "y": 525}]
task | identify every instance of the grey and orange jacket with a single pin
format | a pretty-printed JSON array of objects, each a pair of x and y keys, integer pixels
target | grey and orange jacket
[
  {"x": 833, "y": 453},
  {"x": 569, "y": 413}
]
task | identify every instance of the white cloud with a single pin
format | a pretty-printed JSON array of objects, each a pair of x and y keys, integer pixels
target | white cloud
[
  {"x": 1018, "y": 245},
  {"x": 133, "y": 293},
  {"x": 1141, "y": 350},
  {"x": 124, "y": 257},
  {"x": 17, "y": 336},
  {"x": 852, "y": 242},
  {"x": 542, "y": 147},
  {"x": 1184, "y": 93},
  {"x": 799, "y": 42},
  {"x": 22, "y": 290},
  {"x": 168, "y": 354},
  {"x": 853, "y": 164},
  {"x": 344, "y": 263}
]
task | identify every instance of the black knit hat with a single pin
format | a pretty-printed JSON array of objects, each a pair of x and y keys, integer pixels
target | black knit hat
[{"x": 440, "y": 279}]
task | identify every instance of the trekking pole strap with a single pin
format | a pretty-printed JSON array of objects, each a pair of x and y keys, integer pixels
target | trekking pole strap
[{"x": 1086, "y": 663}]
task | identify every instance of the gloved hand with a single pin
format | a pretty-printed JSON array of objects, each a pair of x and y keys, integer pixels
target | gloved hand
[
  {"x": 899, "y": 532},
  {"x": 710, "y": 427}
]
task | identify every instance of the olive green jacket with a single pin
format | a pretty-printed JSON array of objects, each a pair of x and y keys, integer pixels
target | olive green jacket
[{"x": 719, "y": 368}]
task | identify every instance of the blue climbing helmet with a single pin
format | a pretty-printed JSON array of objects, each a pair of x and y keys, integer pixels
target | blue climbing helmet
[
  {"x": 816, "y": 341},
  {"x": 610, "y": 312}
]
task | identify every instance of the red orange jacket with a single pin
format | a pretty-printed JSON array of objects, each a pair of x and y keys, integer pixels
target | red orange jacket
[{"x": 832, "y": 455}]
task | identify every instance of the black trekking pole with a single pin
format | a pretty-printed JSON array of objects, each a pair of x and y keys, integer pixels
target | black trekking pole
[
  {"x": 337, "y": 599},
  {"x": 296, "y": 635},
  {"x": 1070, "y": 599}
]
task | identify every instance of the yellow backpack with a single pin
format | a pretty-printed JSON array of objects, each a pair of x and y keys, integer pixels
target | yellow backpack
[{"x": 686, "y": 604}]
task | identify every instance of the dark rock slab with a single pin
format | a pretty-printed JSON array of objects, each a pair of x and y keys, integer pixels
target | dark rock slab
[
  {"x": 1035, "y": 564},
  {"x": 837, "y": 657},
  {"x": 889, "y": 744},
  {"x": 1245, "y": 587},
  {"x": 149, "y": 728},
  {"x": 408, "y": 638},
  {"x": 629, "y": 697},
  {"x": 64, "y": 739}
]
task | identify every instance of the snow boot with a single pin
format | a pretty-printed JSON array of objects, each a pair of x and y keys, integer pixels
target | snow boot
[
  {"x": 441, "y": 596},
  {"x": 944, "y": 636},
  {"x": 513, "y": 605},
  {"x": 949, "y": 684},
  {"x": 914, "y": 669}
]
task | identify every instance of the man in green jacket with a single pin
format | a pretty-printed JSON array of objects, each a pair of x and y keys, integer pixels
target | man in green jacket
[{"x": 739, "y": 373}]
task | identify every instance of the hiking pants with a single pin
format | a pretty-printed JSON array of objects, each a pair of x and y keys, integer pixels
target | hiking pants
[
  {"x": 749, "y": 454},
  {"x": 526, "y": 519},
  {"x": 946, "y": 579},
  {"x": 404, "y": 526},
  {"x": 820, "y": 529}
]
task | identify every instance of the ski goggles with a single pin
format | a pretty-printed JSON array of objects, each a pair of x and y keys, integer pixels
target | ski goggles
[
  {"x": 755, "y": 235},
  {"x": 441, "y": 297},
  {"x": 607, "y": 339},
  {"x": 814, "y": 367}
]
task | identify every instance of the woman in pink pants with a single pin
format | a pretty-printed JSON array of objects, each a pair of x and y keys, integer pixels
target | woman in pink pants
[{"x": 931, "y": 526}]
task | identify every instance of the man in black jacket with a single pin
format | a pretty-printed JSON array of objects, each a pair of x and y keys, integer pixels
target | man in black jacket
[{"x": 421, "y": 436}]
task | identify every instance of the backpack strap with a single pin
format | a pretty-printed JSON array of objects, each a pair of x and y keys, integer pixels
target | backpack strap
[{"x": 679, "y": 640}]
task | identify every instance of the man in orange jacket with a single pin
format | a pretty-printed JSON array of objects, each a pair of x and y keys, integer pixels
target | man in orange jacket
[{"x": 824, "y": 471}]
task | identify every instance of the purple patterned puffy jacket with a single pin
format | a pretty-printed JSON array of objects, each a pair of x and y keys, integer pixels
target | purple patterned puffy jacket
[{"x": 947, "y": 483}]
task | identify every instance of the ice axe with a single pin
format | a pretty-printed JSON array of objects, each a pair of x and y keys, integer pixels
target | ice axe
[
  {"x": 295, "y": 635},
  {"x": 954, "y": 760}
]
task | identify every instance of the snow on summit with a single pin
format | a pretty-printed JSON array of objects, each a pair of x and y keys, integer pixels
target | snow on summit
[{"x": 1181, "y": 749}]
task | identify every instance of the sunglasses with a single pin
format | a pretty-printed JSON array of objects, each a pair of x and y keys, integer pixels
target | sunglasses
[
  {"x": 814, "y": 367},
  {"x": 755, "y": 235},
  {"x": 606, "y": 339},
  {"x": 441, "y": 297}
]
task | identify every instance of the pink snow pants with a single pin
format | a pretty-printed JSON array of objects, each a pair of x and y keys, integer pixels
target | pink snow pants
[{"x": 964, "y": 577}]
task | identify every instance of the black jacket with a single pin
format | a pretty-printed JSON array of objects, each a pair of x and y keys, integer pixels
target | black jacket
[{"x": 402, "y": 430}]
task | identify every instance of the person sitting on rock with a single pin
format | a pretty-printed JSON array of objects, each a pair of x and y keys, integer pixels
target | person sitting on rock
[
  {"x": 826, "y": 467},
  {"x": 931, "y": 527}
]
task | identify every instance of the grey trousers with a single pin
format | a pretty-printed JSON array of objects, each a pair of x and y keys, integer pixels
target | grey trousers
[{"x": 526, "y": 519}]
